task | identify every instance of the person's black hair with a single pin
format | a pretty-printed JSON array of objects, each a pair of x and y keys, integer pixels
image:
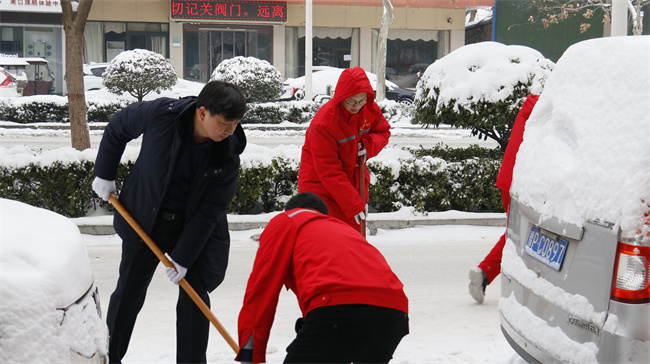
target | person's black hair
[
  {"x": 307, "y": 200},
  {"x": 222, "y": 98}
]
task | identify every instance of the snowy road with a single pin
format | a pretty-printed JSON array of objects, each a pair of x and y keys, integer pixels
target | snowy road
[{"x": 432, "y": 262}]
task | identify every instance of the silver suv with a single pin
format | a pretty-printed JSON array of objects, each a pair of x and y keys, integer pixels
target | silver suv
[{"x": 575, "y": 283}]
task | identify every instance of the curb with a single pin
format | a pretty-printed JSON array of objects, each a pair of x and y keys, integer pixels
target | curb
[{"x": 371, "y": 225}]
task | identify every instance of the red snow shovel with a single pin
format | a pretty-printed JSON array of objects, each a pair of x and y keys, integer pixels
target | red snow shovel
[
  {"x": 183, "y": 282},
  {"x": 361, "y": 161}
]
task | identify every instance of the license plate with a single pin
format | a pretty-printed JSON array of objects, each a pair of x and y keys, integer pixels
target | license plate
[{"x": 546, "y": 247}]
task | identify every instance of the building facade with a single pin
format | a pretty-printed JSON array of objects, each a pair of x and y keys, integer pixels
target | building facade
[
  {"x": 32, "y": 28},
  {"x": 198, "y": 34}
]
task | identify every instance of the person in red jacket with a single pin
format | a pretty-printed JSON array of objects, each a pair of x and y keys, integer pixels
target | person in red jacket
[
  {"x": 353, "y": 306},
  {"x": 347, "y": 126},
  {"x": 490, "y": 267}
]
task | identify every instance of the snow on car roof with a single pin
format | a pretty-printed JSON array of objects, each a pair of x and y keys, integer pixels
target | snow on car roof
[
  {"x": 329, "y": 76},
  {"x": 13, "y": 61},
  {"x": 586, "y": 148},
  {"x": 43, "y": 255}
]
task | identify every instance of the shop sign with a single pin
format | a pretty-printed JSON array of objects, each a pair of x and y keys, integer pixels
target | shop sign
[
  {"x": 31, "y": 6},
  {"x": 268, "y": 11}
]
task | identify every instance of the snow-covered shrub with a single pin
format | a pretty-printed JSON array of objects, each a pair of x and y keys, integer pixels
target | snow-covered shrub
[
  {"x": 258, "y": 79},
  {"x": 471, "y": 185},
  {"x": 34, "y": 112},
  {"x": 438, "y": 179},
  {"x": 56, "y": 112},
  {"x": 60, "y": 186},
  {"x": 263, "y": 188},
  {"x": 481, "y": 86},
  {"x": 277, "y": 112},
  {"x": 394, "y": 111},
  {"x": 103, "y": 112},
  {"x": 139, "y": 72}
]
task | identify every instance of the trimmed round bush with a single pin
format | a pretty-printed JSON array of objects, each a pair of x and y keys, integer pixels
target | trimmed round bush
[
  {"x": 258, "y": 79},
  {"x": 139, "y": 72}
]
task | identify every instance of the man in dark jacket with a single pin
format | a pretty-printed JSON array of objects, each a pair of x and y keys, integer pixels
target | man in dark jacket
[
  {"x": 179, "y": 191},
  {"x": 353, "y": 305}
]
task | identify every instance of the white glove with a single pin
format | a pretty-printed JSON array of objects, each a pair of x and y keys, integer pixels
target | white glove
[
  {"x": 175, "y": 275},
  {"x": 362, "y": 215},
  {"x": 103, "y": 188},
  {"x": 362, "y": 151}
]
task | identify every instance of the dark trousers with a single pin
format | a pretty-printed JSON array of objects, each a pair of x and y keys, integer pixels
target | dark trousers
[
  {"x": 136, "y": 271},
  {"x": 348, "y": 334}
]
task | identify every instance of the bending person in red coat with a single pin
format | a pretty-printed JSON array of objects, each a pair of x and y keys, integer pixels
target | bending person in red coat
[
  {"x": 349, "y": 125},
  {"x": 353, "y": 306},
  {"x": 490, "y": 267}
]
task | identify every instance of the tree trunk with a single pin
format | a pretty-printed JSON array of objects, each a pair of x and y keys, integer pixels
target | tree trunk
[
  {"x": 74, "y": 23},
  {"x": 637, "y": 21},
  {"x": 386, "y": 21}
]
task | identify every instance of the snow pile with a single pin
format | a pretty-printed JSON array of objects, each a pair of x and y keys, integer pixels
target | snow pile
[
  {"x": 485, "y": 71},
  {"x": 586, "y": 148},
  {"x": 43, "y": 270}
]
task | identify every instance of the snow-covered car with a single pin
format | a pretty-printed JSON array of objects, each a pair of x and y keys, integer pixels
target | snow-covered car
[
  {"x": 575, "y": 284},
  {"x": 16, "y": 68},
  {"x": 93, "y": 75},
  {"x": 324, "y": 81},
  {"x": 7, "y": 85},
  {"x": 49, "y": 307}
]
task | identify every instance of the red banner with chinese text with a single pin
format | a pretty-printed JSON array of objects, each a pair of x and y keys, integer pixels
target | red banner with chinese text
[{"x": 271, "y": 11}]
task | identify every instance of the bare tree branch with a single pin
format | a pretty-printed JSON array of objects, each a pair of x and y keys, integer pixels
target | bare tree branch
[{"x": 555, "y": 11}]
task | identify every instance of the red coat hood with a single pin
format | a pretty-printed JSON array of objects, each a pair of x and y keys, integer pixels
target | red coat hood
[{"x": 351, "y": 82}]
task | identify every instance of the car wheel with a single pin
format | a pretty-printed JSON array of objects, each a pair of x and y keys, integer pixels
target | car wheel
[{"x": 405, "y": 101}]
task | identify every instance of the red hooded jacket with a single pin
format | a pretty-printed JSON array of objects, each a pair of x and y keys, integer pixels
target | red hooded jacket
[
  {"x": 328, "y": 162},
  {"x": 504, "y": 178},
  {"x": 324, "y": 262},
  {"x": 491, "y": 265}
]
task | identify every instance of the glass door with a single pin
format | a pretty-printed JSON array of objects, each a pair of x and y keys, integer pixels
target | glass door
[{"x": 216, "y": 45}]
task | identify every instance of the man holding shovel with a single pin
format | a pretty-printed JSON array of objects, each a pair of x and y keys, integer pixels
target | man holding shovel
[
  {"x": 346, "y": 127},
  {"x": 353, "y": 306},
  {"x": 179, "y": 191}
]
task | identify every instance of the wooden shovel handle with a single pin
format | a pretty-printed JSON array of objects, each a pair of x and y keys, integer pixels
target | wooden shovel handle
[
  {"x": 361, "y": 161},
  {"x": 183, "y": 282}
]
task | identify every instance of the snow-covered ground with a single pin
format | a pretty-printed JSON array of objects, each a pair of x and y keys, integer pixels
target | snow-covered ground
[{"x": 447, "y": 326}]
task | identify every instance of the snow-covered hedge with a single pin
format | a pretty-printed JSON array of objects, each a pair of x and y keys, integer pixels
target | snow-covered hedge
[
  {"x": 437, "y": 179},
  {"x": 258, "y": 113}
]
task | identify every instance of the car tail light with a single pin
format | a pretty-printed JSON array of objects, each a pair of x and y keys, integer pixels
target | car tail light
[
  {"x": 631, "y": 282},
  {"x": 7, "y": 81}
]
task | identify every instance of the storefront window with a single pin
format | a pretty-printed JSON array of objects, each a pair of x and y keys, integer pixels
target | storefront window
[
  {"x": 409, "y": 53},
  {"x": 11, "y": 41},
  {"x": 333, "y": 47},
  {"x": 105, "y": 40},
  {"x": 206, "y": 47},
  {"x": 42, "y": 45}
]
